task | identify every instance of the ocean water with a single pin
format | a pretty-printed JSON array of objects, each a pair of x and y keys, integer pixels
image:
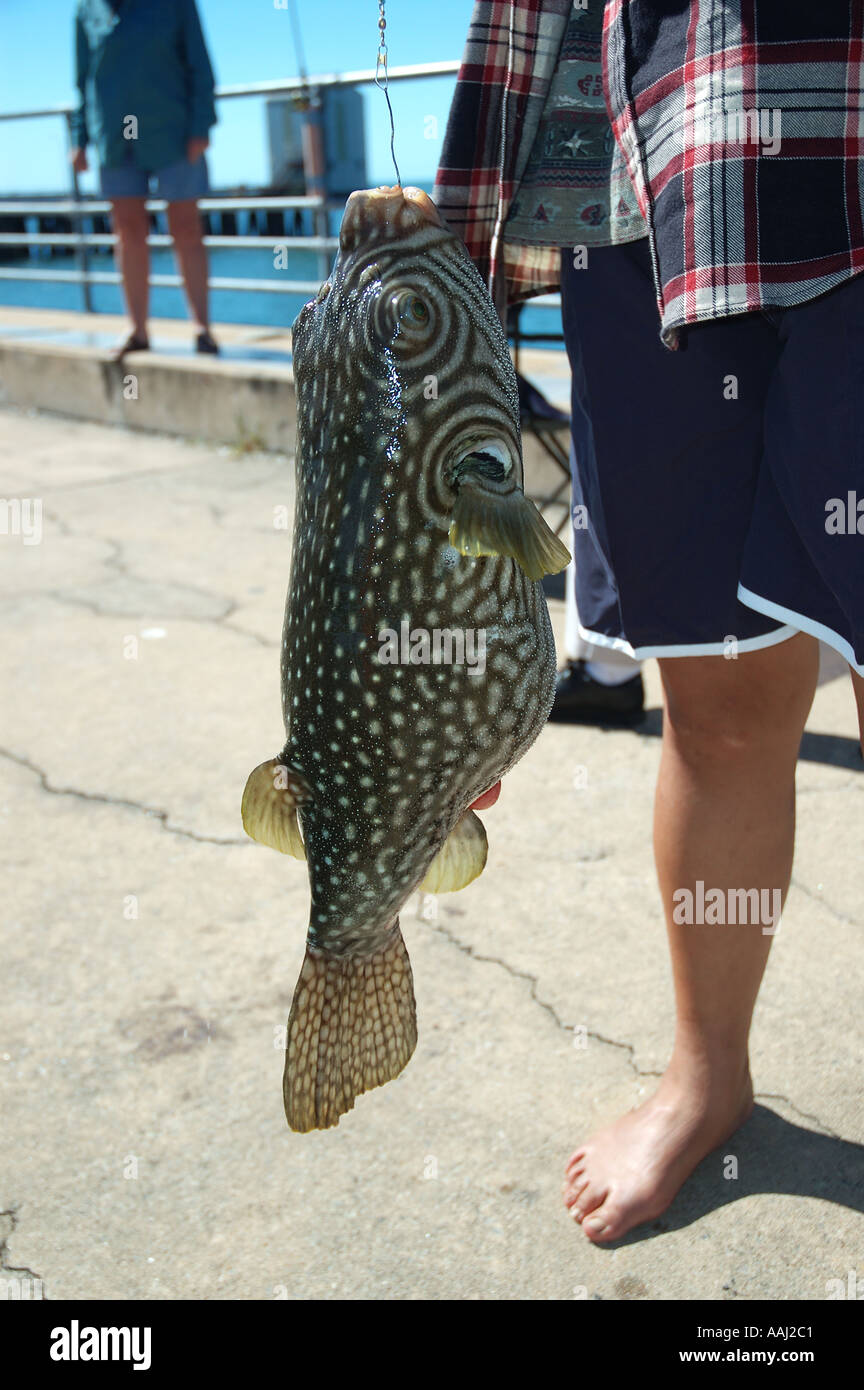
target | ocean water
[{"x": 277, "y": 310}]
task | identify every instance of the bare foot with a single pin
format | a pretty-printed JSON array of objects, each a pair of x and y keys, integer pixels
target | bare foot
[{"x": 629, "y": 1172}]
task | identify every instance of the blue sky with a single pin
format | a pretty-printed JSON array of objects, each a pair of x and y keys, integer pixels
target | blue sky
[{"x": 249, "y": 41}]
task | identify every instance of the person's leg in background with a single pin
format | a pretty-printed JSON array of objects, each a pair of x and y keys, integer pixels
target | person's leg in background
[
  {"x": 131, "y": 225},
  {"x": 184, "y": 224},
  {"x": 725, "y": 815}
]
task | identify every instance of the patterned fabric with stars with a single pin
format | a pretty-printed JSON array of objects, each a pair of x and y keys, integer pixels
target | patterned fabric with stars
[{"x": 576, "y": 189}]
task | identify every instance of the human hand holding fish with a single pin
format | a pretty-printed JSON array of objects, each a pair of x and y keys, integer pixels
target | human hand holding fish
[
  {"x": 487, "y": 799},
  {"x": 411, "y": 517}
]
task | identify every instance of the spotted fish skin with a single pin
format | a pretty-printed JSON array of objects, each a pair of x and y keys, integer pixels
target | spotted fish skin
[{"x": 407, "y": 409}]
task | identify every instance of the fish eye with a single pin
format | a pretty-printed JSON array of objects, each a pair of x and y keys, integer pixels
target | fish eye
[{"x": 410, "y": 311}]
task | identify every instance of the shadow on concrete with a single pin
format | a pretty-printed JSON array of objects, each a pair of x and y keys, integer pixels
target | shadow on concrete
[{"x": 772, "y": 1155}]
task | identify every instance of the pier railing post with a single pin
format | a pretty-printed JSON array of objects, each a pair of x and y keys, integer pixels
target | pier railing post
[
  {"x": 82, "y": 254},
  {"x": 315, "y": 168}
]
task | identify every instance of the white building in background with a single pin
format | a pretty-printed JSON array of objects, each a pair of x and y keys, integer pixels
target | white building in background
[{"x": 344, "y": 130}]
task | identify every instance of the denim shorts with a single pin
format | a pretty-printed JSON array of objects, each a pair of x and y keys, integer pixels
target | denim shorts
[
  {"x": 176, "y": 183},
  {"x": 715, "y": 488}
]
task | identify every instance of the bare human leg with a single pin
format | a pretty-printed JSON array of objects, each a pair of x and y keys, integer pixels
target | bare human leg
[
  {"x": 184, "y": 224},
  {"x": 725, "y": 815},
  {"x": 129, "y": 218}
]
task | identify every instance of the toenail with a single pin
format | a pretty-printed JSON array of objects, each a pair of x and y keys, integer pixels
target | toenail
[
  {"x": 576, "y": 1214},
  {"x": 592, "y": 1224}
]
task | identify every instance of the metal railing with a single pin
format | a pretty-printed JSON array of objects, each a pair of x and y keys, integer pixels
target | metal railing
[{"x": 76, "y": 207}]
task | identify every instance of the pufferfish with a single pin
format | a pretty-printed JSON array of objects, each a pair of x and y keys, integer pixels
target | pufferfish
[{"x": 415, "y": 554}]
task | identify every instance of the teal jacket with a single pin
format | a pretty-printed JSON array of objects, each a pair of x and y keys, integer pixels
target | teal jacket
[{"x": 144, "y": 59}]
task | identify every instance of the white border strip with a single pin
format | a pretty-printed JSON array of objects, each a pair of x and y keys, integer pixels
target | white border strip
[
  {"x": 825, "y": 634},
  {"x": 747, "y": 644}
]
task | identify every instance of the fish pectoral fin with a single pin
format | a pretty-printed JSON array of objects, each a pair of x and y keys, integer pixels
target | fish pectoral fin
[
  {"x": 269, "y": 810},
  {"x": 461, "y": 858},
  {"x": 491, "y": 523}
]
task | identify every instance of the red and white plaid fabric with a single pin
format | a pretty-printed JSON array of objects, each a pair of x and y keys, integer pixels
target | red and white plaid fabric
[{"x": 742, "y": 123}]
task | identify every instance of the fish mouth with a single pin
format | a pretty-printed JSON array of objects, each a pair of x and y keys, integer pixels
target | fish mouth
[{"x": 386, "y": 212}]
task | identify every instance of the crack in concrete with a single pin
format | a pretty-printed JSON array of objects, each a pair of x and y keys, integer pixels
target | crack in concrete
[
  {"x": 19, "y": 1270},
  {"x": 244, "y": 631},
  {"x": 99, "y": 612},
  {"x": 118, "y": 563},
  {"x": 62, "y": 526},
  {"x": 126, "y": 803},
  {"x": 629, "y": 1048},
  {"x": 548, "y": 1008},
  {"x": 805, "y": 1114},
  {"x": 153, "y": 616},
  {"x": 277, "y": 472}
]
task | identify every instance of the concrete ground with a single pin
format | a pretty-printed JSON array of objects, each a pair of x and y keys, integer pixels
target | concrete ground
[{"x": 150, "y": 953}]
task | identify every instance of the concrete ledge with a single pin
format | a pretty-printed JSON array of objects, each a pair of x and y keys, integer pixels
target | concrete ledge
[{"x": 235, "y": 402}]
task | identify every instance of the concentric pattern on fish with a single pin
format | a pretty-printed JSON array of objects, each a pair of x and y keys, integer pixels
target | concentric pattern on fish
[{"x": 410, "y": 512}]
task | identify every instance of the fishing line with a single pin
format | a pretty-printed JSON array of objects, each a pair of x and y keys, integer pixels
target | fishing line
[
  {"x": 298, "y": 40},
  {"x": 381, "y": 71}
]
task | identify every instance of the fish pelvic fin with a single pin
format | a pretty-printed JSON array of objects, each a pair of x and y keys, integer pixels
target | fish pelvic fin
[
  {"x": 492, "y": 523},
  {"x": 461, "y": 858},
  {"x": 352, "y": 1026},
  {"x": 269, "y": 808}
]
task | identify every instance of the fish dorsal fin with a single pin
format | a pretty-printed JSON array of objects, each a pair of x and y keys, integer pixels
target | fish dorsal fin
[
  {"x": 488, "y": 522},
  {"x": 269, "y": 810},
  {"x": 460, "y": 859}
]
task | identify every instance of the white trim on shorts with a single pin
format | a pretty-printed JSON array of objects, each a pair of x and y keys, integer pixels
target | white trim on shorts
[
  {"x": 746, "y": 644},
  {"x": 803, "y": 624}
]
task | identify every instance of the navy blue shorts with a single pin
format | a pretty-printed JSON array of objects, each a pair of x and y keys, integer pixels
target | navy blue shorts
[{"x": 715, "y": 489}]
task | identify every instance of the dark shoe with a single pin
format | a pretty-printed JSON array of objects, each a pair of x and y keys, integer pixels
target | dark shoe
[
  {"x": 579, "y": 699},
  {"x": 205, "y": 342},
  {"x": 132, "y": 344}
]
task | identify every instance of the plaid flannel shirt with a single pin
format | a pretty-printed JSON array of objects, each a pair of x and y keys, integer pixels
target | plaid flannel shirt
[
  {"x": 742, "y": 123},
  {"x": 699, "y": 96}
]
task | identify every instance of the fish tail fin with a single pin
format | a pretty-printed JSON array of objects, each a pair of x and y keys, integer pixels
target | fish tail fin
[{"x": 352, "y": 1026}]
